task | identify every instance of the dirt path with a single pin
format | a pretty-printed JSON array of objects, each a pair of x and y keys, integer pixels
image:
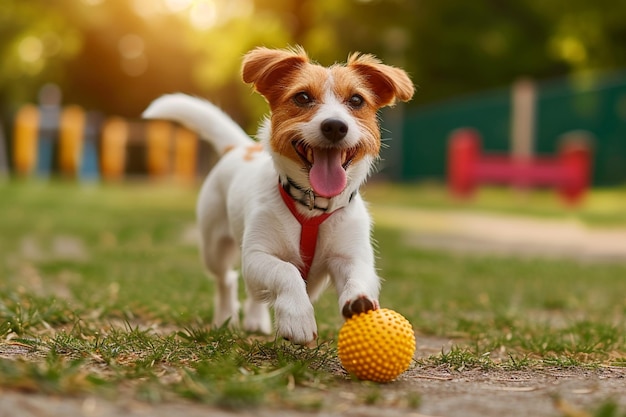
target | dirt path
[
  {"x": 466, "y": 232},
  {"x": 472, "y": 393},
  {"x": 538, "y": 393}
]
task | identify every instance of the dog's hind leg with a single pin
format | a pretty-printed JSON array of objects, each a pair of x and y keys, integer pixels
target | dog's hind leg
[
  {"x": 257, "y": 316},
  {"x": 219, "y": 258},
  {"x": 219, "y": 255}
]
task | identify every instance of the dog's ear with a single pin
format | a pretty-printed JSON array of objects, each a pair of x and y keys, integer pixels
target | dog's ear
[
  {"x": 266, "y": 68},
  {"x": 387, "y": 82}
]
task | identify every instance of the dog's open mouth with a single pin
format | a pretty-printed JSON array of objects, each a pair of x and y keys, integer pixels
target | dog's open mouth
[
  {"x": 307, "y": 154},
  {"x": 327, "y": 167}
]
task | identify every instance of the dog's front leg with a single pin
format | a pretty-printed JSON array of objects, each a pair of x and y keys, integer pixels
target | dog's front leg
[{"x": 273, "y": 280}]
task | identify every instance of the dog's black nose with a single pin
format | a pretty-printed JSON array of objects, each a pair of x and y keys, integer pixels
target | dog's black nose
[{"x": 334, "y": 129}]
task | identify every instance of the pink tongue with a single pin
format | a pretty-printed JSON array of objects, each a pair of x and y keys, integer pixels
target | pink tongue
[{"x": 327, "y": 176}]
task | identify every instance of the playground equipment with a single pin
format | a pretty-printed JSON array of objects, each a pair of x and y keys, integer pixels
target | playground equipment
[
  {"x": 568, "y": 171},
  {"x": 36, "y": 143},
  {"x": 113, "y": 148},
  {"x": 79, "y": 146},
  {"x": 25, "y": 139},
  {"x": 165, "y": 139},
  {"x": 70, "y": 139}
]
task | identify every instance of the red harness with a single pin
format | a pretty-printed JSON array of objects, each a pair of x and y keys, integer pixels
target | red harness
[{"x": 308, "y": 236}]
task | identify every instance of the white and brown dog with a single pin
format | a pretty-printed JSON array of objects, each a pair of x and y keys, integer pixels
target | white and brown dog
[{"x": 290, "y": 206}]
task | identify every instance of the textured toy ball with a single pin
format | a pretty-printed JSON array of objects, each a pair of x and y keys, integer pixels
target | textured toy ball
[{"x": 377, "y": 345}]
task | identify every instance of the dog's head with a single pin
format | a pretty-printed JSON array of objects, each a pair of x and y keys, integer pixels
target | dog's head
[{"x": 324, "y": 126}]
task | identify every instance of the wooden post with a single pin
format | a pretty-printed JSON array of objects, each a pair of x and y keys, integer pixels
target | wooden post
[
  {"x": 158, "y": 142},
  {"x": 25, "y": 135},
  {"x": 185, "y": 154},
  {"x": 523, "y": 120},
  {"x": 113, "y": 151},
  {"x": 72, "y": 128}
]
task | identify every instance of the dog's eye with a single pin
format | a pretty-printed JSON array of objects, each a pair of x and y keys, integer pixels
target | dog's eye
[
  {"x": 303, "y": 99},
  {"x": 356, "y": 101}
]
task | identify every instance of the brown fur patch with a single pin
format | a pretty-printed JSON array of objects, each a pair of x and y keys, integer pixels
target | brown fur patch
[{"x": 251, "y": 151}]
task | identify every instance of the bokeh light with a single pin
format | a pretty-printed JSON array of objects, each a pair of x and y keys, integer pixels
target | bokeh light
[{"x": 31, "y": 49}]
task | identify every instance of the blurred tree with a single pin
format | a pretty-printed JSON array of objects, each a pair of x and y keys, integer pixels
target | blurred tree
[
  {"x": 117, "y": 55},
  {"x": 586, "y": 35},
  {"x": 127, "y": 58},
  {"x": 459, "y": 47},
  {"x": 35, "y": 45}
]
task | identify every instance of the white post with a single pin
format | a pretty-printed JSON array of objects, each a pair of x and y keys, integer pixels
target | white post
[{"x": 523, "y": 119}]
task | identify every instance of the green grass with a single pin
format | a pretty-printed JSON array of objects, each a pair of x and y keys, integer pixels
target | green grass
[
  {"x": 102, "y": 291},
  {"x": 600, "y": 208}
]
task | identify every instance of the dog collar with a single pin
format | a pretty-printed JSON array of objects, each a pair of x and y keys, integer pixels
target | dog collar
[
  {"x": 308, "y": 198},
  {"x": 308, "y": 234}
]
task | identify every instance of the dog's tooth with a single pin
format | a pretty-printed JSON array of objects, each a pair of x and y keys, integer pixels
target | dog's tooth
[{"x": 309, "y": 155}]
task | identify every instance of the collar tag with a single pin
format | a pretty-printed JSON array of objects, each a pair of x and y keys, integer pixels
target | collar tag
[{"x": 310, "y": 197}]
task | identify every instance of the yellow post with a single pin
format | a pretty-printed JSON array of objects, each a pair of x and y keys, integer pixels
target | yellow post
[
  {"x": 113, "y": 152},
  {"x": 158, "y": 138},
  {"x": 185, "y": 154},
  {"x": 25, "y": 139},
  {"x": 72, "y": 128}
]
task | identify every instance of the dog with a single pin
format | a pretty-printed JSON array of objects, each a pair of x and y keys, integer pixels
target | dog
[{"x": 288, "y": 206}]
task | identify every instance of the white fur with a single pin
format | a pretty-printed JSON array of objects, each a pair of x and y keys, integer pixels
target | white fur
[{"x": 241, "y": 215}]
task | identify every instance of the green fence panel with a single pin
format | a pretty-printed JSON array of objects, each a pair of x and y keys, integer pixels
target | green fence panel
[
  {"x": 426, "y": 131},
  {"x": 596, "y": 104}
]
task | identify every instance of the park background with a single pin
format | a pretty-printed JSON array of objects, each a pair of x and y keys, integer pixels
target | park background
[
  {"x": 517, "y": 300},
  {"x": 113, "y": 57}
]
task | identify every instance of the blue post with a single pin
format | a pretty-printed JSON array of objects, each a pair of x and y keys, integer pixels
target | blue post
[
  {"x": 49, "y": 113},
  {"x": 90, "y": 169}
]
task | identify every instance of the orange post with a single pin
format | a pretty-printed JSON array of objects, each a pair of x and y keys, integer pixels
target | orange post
[
  {"x": 185, "y": 154},
  {"x": 25, "y": 139},
  {"x": 113, "y": 152},
  {"x": 72, "y": 128},
  {"x": 159, "y": 134}
]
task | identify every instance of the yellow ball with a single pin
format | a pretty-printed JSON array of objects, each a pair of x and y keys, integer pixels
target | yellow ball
[{"x": 377, "y": 345}]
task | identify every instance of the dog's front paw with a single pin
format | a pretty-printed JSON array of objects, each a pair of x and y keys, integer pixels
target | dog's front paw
[
  {"x": 359, "y": 305},
  {"x": 296, "y": 323}
]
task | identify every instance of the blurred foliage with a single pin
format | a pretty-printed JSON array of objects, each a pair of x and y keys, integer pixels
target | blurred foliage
[{"x": 117, "y": 55}]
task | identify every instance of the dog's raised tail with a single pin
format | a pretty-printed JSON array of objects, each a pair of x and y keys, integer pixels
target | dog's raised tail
[{"x": 201, "y": 116}]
